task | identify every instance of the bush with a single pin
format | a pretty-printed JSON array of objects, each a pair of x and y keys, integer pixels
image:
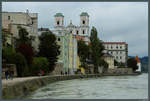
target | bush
[
  {"x": 27, "y": 51},
  {"x": 8, "y": 54},
  {"x": 11, "y": 57},
  {"x": 21, "y": 64},
  {"x": 40, "y": 63},
  {"x": 132, "y": 63}
]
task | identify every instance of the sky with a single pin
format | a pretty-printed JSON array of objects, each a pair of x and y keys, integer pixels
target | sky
[{"x": 114, "y": 21}]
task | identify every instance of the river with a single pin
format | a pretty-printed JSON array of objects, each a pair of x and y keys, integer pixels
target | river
[{"x": 107, "y": 87}]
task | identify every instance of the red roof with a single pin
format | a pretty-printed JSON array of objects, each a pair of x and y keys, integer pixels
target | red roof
[
  {"x": 137, "y": 59},
  {"x": 114, "y": 42},
  {"x": 80, "y": 37}
]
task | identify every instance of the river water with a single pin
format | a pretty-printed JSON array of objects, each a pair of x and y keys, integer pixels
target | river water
[{"x": 108, "y": 87}]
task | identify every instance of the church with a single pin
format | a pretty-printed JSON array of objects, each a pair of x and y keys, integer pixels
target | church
[{"x": 67, "y": 37}]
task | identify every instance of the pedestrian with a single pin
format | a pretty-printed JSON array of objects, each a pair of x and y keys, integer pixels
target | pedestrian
[
  {"x": 6, "y": 75},
  {"x": 11, "y": 74},
  {"x": 42, "y": 72}
]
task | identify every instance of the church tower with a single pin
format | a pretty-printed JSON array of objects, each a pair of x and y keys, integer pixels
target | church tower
[
  {"x": 59, "y": 20},
  {"x": 84, "y": 24}
]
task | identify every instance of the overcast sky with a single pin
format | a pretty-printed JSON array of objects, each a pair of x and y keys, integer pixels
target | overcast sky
[{"x": 122, "y": 21}]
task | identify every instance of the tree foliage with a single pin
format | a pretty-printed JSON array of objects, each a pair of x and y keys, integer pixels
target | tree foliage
[
  {"x": 132, "y": 63},
  {"x": 40, "y": 63},
  {"x": 96, "y": 49},
  {"x": 24, "y": 37},
  {"x": 27, "y": 51},
  {"x": 11, "y": 57},
  {"x": 48, "y": 48},
  {"x": 83, "y": 52}
]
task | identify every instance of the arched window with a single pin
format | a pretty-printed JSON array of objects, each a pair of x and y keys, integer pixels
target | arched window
[
  {"x": 83, "y": 32},
  {"x": 8, "y": 17},
  {"x": 57, "y": 22},
  {"x": 58, "y": 39},
  {"x": 77, "y": 32},
  {"x": 83, "y": 22}
]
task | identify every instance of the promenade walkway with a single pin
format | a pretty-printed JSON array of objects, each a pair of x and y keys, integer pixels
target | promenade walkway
[{"x": 16, "y": 80}]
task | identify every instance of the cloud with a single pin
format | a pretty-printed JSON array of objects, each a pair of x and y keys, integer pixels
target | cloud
[{"x": 115, "y": 21}]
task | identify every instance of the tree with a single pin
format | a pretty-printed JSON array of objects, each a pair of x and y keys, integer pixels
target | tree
[
  {"x": 48, "y": 48},
  {"x": 96, "y": 49},
  {"x": 83, "y": 52},
  {"x": 11, "y": 57},
  {"x": 24, "y": 37},
  {"x": 132, "y": 63},
  {"x": 5, "y": 35},
  {"x": 40, "y": 63},
  {"x": 27, "y": 51}
]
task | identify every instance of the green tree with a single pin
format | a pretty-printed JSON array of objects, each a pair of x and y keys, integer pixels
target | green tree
[
  {"x": 83, "y": 52},
  {"x": 49, "y": 48},
  {"x": 40, "y": 63},
  {"x": 5, "y": 34},
  {"x": 132, "y": 63},
  {"x": 96, "y": 49},
  {"x": 24, "y": 37},
  {"x": 11, "y": 57}
]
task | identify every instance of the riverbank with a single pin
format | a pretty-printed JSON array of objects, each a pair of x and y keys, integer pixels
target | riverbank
[{"x": 21, "y": 87}]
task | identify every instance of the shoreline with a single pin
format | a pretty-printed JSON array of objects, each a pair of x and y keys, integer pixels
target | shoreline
[{"x": 19, "y": 88}]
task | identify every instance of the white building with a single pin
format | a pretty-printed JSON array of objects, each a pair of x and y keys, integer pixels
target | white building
[
  {"x": 119, "y": 50},
  {"x": 138, "y": 64},
  {"x": 73, "y": 31}
]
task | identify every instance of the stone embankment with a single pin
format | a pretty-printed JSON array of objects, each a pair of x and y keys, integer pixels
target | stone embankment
[{"x": 20, "y": 87}]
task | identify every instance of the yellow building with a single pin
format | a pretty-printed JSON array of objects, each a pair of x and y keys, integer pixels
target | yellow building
[
  {"x": 110, "y": 60},
  {"x": 70, "y": 54},
  {"x": 78, "y": 65}
]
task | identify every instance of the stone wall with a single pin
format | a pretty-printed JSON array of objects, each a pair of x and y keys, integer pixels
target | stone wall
[
  {"x": 120, "y": 71},
  {"x": 58, "y": 69},
  {"x": 22, "y": 89}
]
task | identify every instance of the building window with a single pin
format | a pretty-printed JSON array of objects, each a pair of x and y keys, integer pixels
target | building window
[
  {"x": 8, "y": 17},
  {"x": 111, "y": 47},
  {"x": 83, "y": 22},
  {"x": 107, "y": 47},
  {"x": 120, "y": 47},
  {"x": 120, "y": 52},
  {"x": 83, "y": 32},
  {"x": 117, "y": 47},
  {"x": 57, "y": 22},
  {"x": 32, "y": 22},
  {"x": 116, "y": 57},
  {"x": 116, "y": 52},
  {"x": 58, "y": 39},
  {"x": 120, "y": 57},
  {"x": 77, "y": 32},
  {"x": 71, "y": 31},
  {"x": 111, "y": 52}
]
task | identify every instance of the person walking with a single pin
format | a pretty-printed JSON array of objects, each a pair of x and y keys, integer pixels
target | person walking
[
  {"x": 11, "y": 74},
  {"x": 6, "y": 75}
]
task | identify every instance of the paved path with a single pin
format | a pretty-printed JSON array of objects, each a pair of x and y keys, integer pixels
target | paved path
[
  {"x": 16, "y": 80},
  {"x": 21, "y": 79}
]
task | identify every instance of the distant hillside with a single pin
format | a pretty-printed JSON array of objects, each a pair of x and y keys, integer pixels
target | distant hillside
[{"x": 144, "y": 63}]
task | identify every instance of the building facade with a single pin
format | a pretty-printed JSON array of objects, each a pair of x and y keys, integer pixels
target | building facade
[
  {"x": 69, "y": 36},
  {"x": 109, "y": 59},
  {"x": 119, "y": 50},
  {"x": 12, "y": 20}
]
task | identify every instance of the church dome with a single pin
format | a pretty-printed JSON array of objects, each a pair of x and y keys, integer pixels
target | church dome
[
  {"x": 84, "y": 14},
  {"x": 59, "y": 15}
]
